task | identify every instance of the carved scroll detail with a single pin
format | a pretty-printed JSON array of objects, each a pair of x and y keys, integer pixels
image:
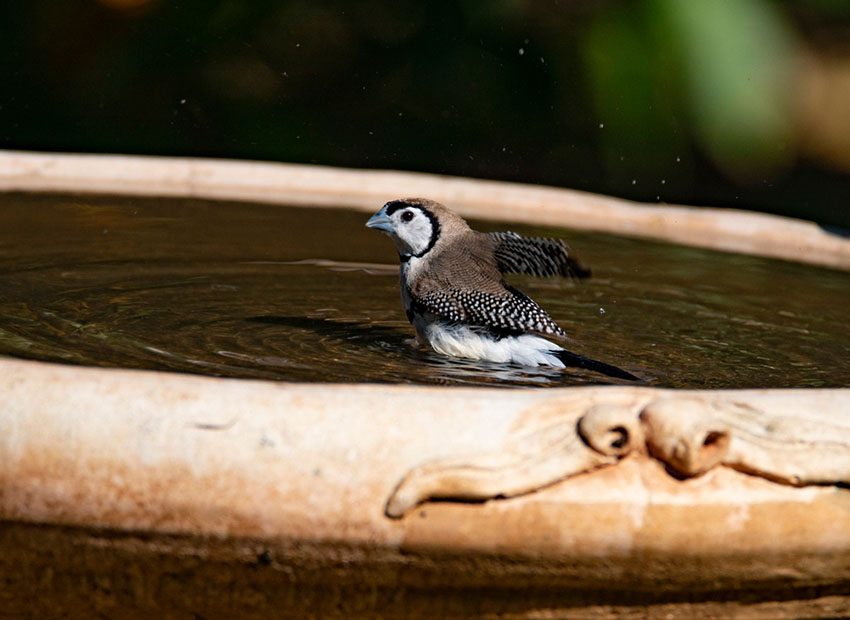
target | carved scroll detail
[
  {"x": 611, "y": 429},
  {"x": 524, "y": 464},
  {"x": 682, "y": 436},
  {"x": 796, "y": 449},
  {"x": 690, "y": 434}
]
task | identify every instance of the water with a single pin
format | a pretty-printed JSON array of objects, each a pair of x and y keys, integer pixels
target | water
[{"x": 242, "y": 290}]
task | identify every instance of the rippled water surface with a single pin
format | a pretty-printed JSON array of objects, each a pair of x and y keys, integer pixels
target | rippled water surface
[{"x": 244, "y": 290}]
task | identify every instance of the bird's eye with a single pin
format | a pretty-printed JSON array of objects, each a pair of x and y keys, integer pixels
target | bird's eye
[{"x": 406, "y": 216}]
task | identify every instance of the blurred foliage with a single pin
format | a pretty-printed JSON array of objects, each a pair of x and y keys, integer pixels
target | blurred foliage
[{"x": 691, "y": 101}]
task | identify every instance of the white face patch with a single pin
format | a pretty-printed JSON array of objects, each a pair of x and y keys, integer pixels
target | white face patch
[{"x": 413, "y": 230}]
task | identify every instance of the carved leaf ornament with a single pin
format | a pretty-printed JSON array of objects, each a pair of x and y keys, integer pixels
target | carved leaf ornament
[{"x": 690, "y": 435}]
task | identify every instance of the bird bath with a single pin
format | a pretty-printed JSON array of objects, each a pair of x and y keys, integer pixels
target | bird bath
[
  {"x": 316, "y": 484},
  {"x": 308, "y": 294}
]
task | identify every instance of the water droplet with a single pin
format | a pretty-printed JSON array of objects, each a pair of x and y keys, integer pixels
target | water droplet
[
  {"x": 634, "y": 181},
  {"x": 521, "y": 51},
  {"x": 601, "y": 125},
  {"x": 678, "y": 159},
  {"x": 663, "y": 181}
]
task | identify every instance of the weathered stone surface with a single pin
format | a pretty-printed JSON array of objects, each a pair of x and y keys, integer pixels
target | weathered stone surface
[
  {"x": 256, "y": 495},
  {"x": 690, "y": 433},
  {"x": 295, "y": 184}
]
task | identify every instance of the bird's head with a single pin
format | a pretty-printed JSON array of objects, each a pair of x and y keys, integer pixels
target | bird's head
[{"x": 415, "y": 224}]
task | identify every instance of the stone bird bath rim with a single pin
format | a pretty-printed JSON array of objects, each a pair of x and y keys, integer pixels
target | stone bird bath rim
[{"x": 568, "y": 491}]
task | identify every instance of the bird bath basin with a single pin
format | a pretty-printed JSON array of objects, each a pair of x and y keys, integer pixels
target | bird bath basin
[
  {"x": 209, "y": 407},
  {"x": 305, "y": 294}
]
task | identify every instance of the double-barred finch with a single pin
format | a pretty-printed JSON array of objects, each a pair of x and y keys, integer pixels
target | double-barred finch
[{"x": 455, "y": 295}]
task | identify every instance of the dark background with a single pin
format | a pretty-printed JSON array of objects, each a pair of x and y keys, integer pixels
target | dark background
[{"x": 741, "y": 103}]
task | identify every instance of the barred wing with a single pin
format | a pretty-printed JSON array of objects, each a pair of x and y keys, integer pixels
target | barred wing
[{"x": 535, "y": 256}]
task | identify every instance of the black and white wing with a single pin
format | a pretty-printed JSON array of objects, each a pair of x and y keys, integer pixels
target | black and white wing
[
  {"x": 535, "y": 256},
  {"x": 511, "y": 312}
]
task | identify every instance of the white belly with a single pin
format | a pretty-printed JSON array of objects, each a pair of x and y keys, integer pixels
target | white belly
[{"x": 476, "y": 344}]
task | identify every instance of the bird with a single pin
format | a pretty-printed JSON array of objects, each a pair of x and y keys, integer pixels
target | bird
[{"x": 455, "y": 295}]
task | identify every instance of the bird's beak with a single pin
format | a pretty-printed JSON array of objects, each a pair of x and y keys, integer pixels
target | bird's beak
[{"x": 381, "y": 221}]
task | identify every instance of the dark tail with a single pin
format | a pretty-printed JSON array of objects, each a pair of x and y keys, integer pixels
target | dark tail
[{"x": 572, "y": 359}]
